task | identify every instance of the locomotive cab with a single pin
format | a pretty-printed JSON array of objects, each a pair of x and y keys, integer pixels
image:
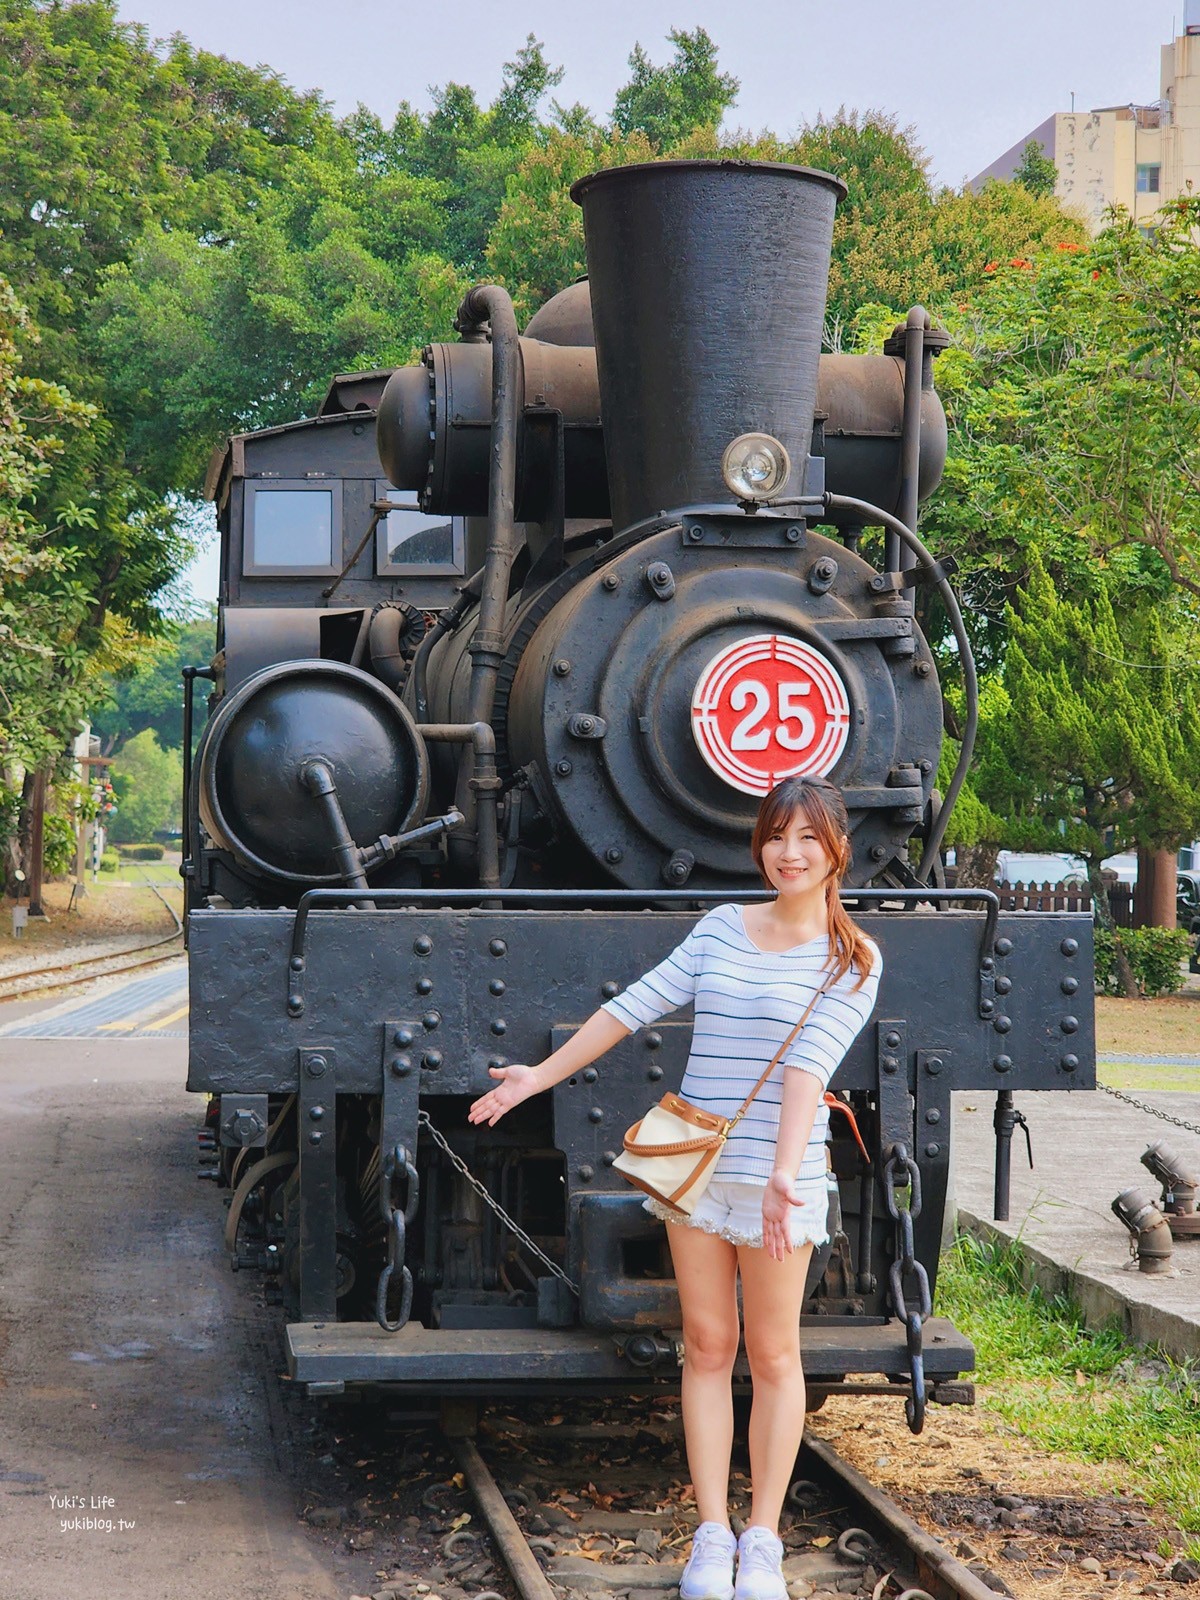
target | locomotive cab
[{"x": 493, "y": 709}]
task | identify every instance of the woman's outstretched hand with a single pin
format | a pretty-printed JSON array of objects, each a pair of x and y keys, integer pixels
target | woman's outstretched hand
[
  {"x": 778, "y": 1199},
  {"x": 517, "y": 1083}
]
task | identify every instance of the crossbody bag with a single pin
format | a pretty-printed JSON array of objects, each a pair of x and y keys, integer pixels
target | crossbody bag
[{"x": 670, "y": 1153}]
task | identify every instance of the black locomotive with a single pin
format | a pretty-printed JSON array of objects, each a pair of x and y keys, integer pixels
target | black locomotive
[{"x": 492, "y": 711}]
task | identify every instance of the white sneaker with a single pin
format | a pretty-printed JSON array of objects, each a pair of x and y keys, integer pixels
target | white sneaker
[
  {"x": 709, "y": 1571},
  {"x": 760, "y": 1566}
]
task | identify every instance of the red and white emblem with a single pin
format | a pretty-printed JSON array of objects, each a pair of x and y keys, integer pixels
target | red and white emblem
[{"x": 769, "y": 708}]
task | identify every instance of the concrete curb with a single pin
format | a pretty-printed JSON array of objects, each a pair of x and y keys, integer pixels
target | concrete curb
[{"x": 1101, "y": 1303}]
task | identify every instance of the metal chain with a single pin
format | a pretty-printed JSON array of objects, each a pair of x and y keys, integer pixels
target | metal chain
[
  {"x": 906, "y": 1262},
  {"x": 396, "y": 1218},
  {"x": 481, "y": 1190},
  {"x": 1177, "y": 1122}
]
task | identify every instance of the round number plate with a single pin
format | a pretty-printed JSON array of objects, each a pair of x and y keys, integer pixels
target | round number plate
[{"x": 769, "y": 708}]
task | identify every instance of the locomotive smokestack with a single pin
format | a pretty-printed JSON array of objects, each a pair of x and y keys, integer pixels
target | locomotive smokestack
[{"x": 708, "y": 283}]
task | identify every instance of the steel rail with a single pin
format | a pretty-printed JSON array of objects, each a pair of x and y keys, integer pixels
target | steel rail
[
  {"x": 944, "y": 1575},
  {"x": 116, "y": 955},
  {"x": 522, "y": 1564},
  {"x": 85, "y": 977}
]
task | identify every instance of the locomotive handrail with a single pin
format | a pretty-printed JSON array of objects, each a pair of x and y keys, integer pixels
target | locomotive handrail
[
  {"x": 598, "y": 899},
  {"x": 876, "y": 514}
]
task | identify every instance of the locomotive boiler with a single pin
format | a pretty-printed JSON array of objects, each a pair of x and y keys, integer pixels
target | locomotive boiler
[{"x": 512, "y": 641}]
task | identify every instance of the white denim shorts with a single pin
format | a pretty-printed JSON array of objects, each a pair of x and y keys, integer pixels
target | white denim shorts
[{"x": 733, "y": 1211}]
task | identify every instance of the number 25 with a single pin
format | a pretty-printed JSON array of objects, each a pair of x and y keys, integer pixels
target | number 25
[{"x": 750, "y": 735}]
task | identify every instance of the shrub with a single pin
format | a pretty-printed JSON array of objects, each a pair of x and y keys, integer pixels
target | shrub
[
  {"x": 1155, "y": 955},
  {"x": 142, "y": 852},
  {"x": 109, "y": 861}
]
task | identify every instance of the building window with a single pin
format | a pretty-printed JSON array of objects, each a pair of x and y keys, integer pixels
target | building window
[
  {"x": 1147, "y": 177},
  {"x": 414, "y": 543},
  {"x": 293, "y": 528}
]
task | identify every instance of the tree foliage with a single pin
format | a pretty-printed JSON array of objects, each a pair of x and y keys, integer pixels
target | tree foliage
[
  {"x": 148, "y": 781},
  {"x": 1035, "y": 171},
  {"x": 149, "y": 696},
  {"x": 669, "y": 103},
  {"x": 43, "y": 601},
  {"x": 1071, "y": 386}
]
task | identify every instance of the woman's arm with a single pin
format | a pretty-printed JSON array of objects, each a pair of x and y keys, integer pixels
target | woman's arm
[
  {"x": 517, "y": 1083},
  {"x": 797, "y": 1113}
]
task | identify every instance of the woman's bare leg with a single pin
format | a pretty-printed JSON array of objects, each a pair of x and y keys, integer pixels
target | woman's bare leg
[
  {"x": 772, "y": 1292},
  {"x": 706, "y": 1274}
]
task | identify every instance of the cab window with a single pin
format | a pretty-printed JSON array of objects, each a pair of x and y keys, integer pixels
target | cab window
[
  {"x": 293, "y": 528},
  {"x": 414, "y": 543}
]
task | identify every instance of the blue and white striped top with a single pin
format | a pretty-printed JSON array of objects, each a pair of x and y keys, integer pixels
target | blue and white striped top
[{"x": 746, "y": 1001}]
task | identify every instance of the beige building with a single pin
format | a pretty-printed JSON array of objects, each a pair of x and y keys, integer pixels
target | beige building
[{"x": 1135, "y": 156}]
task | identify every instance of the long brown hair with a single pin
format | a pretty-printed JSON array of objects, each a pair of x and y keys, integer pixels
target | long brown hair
[{"x": 825, "y": 812}]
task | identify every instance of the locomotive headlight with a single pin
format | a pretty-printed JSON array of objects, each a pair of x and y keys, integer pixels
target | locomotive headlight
[{"x": 755, "y": 466}]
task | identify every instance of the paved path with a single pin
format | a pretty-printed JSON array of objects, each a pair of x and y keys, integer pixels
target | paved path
[
  {"x": 1087, "y": 1148},
  {"x": 145, "y": 1446},
  {"x": 153, "y": 1006},
  {"x": 1126, "y": 1059}
]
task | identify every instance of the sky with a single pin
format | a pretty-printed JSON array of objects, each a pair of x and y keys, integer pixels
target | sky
[{"x": 970, "y": 77}]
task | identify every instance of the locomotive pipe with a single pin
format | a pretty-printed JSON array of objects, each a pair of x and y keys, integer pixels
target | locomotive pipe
[
  {"x": 876, "y": 515},
  {"x": 910, "y": 439},
  {"x": 446, "y": 622},
  {"x": 488, "y": 302},
  {"x": 383, "y": 646},
  {"x": 318, "y": 780},
  {"x": 484, "y": 787},
  {"x": 1004, "y": 1120}
]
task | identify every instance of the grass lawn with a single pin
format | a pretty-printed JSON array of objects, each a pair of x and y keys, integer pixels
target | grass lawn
[
  {"x": 1169, "y": 1026},
  {"x": 1136, "y": 1075},
  {"x": 1085, "y": 1394},
  {"x": 161, "y": 872}
]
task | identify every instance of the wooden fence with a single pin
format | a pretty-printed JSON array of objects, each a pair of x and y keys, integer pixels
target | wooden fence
[{"x": 1061, "y": 897}]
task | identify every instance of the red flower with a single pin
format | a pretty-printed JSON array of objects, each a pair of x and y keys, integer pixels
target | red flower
[
  {"x": 991, "y": 266},
  {"x": 1095, "y": 272},
  {"x": 1066, "y": 244},
  {"x": 1019, "y": 261}
]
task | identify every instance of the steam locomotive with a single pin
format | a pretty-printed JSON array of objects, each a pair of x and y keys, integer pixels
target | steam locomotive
[{"x": 512, "y": 641}]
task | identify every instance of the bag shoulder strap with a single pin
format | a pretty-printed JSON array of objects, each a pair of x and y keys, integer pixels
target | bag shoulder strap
[{"x": 782, "y": 1051}]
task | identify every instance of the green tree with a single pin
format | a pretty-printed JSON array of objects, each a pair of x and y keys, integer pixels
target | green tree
[
  {"x": 99, "y": 136},
  {"x": 44, "y": 602},
  {"x": 467, "y": 151},
  {"x": 148, "y": 781},
  {"x": 1095, "y": 753},
  {"x": 197, "y": 342},
  {"x": 668, "y": 103},
  {"x": 1072, "y": 387},
  {"x": 1036, "y": 172},
  {"x": 149, "y": 695},
  {"x": 536, "y": 247}
]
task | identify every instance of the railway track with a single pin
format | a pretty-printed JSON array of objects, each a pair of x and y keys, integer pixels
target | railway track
[
  {"x": 846, "y": 1533},
  {"x": 14, "y": 987},
  {"x": 34, "y": 981},
  {"x": 599, "y": 1505}
]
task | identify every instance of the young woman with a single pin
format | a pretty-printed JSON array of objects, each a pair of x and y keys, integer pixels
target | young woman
[{"x": 749, "y": 973}]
